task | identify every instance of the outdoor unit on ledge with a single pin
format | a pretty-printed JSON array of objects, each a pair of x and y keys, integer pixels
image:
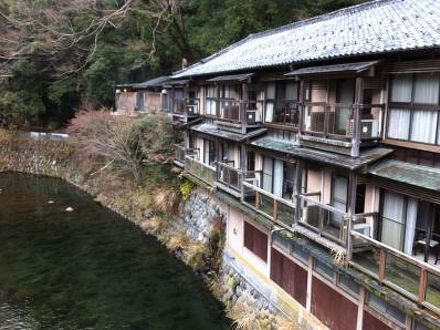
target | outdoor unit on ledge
[{"x": 369, "y": 128}]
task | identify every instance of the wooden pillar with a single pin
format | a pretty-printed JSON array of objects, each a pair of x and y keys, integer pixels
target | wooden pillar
[
  {"x": 243, "y": 106},
  {"x": 382, "y": 264},
  {"x": 423, "y": 281},
  {"x": 243, "y": 157},
  {"x": 298, "y": 184},
  {"x": 301, "y": 106},
  {"x": 218, "y": 90},
  {"x": 173, "y": 93},
  {"x": 357, "y": 106},
  {"x": 352, "y": 187}
]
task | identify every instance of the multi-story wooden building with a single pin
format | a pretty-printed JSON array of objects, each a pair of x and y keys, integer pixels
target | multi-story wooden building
[
  {"x": 322, "y": 141},
  {"x": 142, "y": 98}
]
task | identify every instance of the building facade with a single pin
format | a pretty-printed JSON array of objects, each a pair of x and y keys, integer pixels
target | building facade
[
  {"x": 321, "y": 141},
  {"x": 142, "y": 98}
]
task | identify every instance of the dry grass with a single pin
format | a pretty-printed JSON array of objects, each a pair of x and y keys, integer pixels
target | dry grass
[
  {"x": 155, "y": 225},
  {"x": 177, "y": 242},
  {"x": 339, "y": 258},
  {"x": 245, "y": 317},
  {"x": 165, "y": 199}
]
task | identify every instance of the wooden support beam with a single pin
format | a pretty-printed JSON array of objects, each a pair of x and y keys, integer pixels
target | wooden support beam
[
  {"x": 298, "y": 184},
  {"x": 358, "y": 101},
  {"x": 275, "y": 210},
  {"x": 301, "y": 107},
  {"x": 243, "y": 107},
  {"x": 423, "y": 281},
  {"x": 382, "y": 264},
  {"x": 352, "y": 188}
]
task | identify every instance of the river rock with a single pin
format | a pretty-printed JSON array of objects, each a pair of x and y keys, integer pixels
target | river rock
[
  {"x": 69, "y": 209},
  {"x": 50, "y": 202}
]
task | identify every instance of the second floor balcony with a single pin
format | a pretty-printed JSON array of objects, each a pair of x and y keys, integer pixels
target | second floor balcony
[
  {"x": 278, "y": 209},
  {"x": 184, "y": 110},
  {"x": 200, "y": 170}
]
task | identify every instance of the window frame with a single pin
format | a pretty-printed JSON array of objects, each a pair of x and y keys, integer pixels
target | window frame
[{"x": 412, "y": 107}]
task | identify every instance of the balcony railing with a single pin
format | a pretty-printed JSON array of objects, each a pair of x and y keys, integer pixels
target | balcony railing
[
  {"x": 200, "y": 170},
  {"x": 336, "y": 120},
  {"x": 324, "y": 219},
  {"x": 186, "y": 106},
  {"x": 180, "y": 153},
  {"x": 285, "y": 112},
  {"x": 193, "y": 106},
  {"x": 275, "y": 208},
  {"x": 411, "y": 277},
  {"x": 229, "y": 176},
  {"x": 234, "y": 110}
]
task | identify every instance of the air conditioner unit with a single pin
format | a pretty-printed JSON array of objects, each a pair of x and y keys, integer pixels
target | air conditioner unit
[{"x": 369, "y": 128}]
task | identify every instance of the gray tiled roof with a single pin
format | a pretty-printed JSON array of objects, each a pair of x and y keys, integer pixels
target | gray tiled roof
[
  {"x": 343, "y": 67},
  {"x": 155, "y": 82},
  {"x": 374, "y": 27}
]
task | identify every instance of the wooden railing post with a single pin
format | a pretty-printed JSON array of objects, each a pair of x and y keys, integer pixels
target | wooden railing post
[
  {"x": 382, "y": 263},
  {"x": 275, "y": 210},
  {"x": 257, "y": 200},
  {"x": 423, "y": 281}
]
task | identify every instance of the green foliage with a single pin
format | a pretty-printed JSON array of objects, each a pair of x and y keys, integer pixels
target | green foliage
[
  {"x": 48, "y": 84},
  {"x": 156, "y": 137},
  {"x": 20, "y": 108},
  {"x": 186, "y": 187}
]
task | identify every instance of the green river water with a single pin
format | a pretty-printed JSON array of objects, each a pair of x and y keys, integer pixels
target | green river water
[{"x": 88, "y": 269}]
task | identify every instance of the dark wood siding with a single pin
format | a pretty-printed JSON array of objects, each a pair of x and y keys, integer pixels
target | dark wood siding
[
  {"x": 288, "y": 275},
  {"x": 332, "y": 308},
  {"x": 256, "y": 241},
  {"x": 372, "y": 323}
]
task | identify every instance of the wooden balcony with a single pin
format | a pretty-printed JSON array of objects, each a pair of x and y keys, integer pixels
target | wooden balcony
[
  {"x": 413, "y": 278},
  {"x": 229, "y": 178},
  {"x": 200, "y": 170},
  {"x": 238, "y": 115},
  {"x": 279, "y": 210},
  {"x": 324, "y": 219},
  {"x": 180, "y": 154},
  {"x": 285, "y": 112},
  {"x": 336, "y": 120},
  {"x": 185, "y": 109}
]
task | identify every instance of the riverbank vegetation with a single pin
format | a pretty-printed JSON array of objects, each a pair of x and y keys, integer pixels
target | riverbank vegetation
[
  {"x": 154, "y": 201},
  {"x": 126, "y": 164}
]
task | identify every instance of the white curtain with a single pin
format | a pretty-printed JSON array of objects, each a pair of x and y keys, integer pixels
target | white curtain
[
  {"x": 393, "y": 220},
  {"x": 398, "y": 127},
  {"x": 401, "y": 85},
  {"x": 267, "y": 173},
  {"x": 205, "y": 151},
  {"x": 270, "y": 95},
  {"x": 424, "y": 125},
  {"x": 340, "y": 191},
  {"x": 411, "y": 222},
  {"x": 268, "y": 118},
  {"x": 211, "y": 107},
  {"x": 278, "y": 178},
  {"x": 426, "y": 88}
]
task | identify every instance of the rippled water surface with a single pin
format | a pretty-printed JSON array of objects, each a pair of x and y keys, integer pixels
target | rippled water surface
[{"x": 88, "y": 269}]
